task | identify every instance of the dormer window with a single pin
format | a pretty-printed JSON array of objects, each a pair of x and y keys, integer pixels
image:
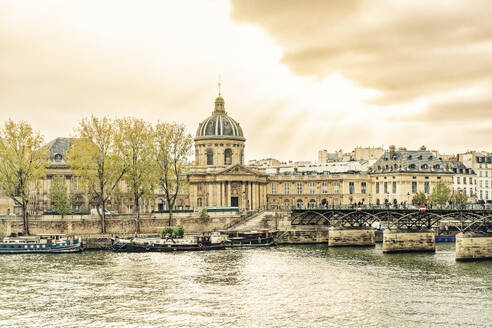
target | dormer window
[
  {"x": 412, "y": 166},
  {"x": 437, "y": 166},
  {"x": 420, "y": 157},
  {"x": 425, "y": 166},
  {"x": 409, "y": 157},
  {"x": 58, "y": 157}
]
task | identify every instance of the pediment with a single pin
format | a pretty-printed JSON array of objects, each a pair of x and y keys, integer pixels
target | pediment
[{"x": 238, "y": 170}]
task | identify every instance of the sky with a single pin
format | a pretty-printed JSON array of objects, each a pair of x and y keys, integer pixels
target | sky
[{"x": 299, "y": 76}]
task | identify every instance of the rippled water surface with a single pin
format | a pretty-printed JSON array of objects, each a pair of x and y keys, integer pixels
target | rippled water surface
[{"x": 287, "y": 286}]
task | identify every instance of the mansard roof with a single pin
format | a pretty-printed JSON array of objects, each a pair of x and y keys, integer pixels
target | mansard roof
[{"x": 415, "y": 161}]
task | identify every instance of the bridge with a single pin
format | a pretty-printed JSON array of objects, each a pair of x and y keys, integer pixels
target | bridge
[
  {"x": 466, "y": 220},
  {"x": 405, "y": 230}
]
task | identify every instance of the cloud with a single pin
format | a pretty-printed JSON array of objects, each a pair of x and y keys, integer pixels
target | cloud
[{"x": 406, "y": 49}]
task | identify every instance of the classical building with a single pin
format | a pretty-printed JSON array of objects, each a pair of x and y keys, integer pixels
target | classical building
[
  {"x": 399, "y": 174},
  {"x": 220, "y": 178},
  {"x": 481, "y": 163}
]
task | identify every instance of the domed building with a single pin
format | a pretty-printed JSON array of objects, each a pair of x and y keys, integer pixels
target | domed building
[
  {"x": 219, "y": 139},
  {"x": 220, "y": 178}
]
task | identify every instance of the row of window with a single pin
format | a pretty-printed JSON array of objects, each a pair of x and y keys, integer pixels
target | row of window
[
  {"x": 484, "y": 183},
  {"x": 312, "y": 188},
  {"x": 484, "y": 174},
  {"x": 482, "y": 194},
  {"x": 393, "y": 187},
  {"x": 470, "y": 180}
]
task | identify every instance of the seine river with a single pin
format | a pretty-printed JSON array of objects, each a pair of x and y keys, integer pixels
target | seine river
[{"x": 286, "y": 286}]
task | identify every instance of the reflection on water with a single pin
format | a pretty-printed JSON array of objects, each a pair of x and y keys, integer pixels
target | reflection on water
[{"x": 288, "y": 286}]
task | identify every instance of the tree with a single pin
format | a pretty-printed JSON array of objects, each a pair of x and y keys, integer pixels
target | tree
[
  {"x": 60, "y": 197},
  {"x": 441, "y": 194},
  {"x": 459, "y": 198},
  {"x": 23, "y": 161},
  {"x": 134, "y": 142},
  {"x": 95, "y": 158},
  {"x": 172, "y": 149},
  {"x": 419, "y": 199}
]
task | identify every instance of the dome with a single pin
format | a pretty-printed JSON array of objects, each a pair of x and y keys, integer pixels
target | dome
[{"x": 219, "y": 125}]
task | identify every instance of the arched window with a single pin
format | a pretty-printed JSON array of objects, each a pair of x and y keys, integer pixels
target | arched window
[
  {"x": 324, "y": 203},
  {"x": 312, "y": 203},
  {"x": 58, "y": 157},
  {"x": 300, "y": 204},
  {"x": 210, "y": 157},
  {"x": 228, "y": 156},
  {"x": 286, "y": 204}
]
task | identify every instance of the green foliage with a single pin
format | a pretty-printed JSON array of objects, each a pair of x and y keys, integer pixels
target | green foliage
[
  {"x": 95, "y": 158},
  {"x": 60, "y": 196},
  {"x": 172, "y": 232},
  {"x": 441, "y": 193},
  {"x": 23, "y": 161},
  {"x": 172, "y": 149},
  {"x": 459, "y": 198},
  {"x": 419, "y": 199},
  {"x": 204, "y": 215},
  {"x": 134, "y": 143}
]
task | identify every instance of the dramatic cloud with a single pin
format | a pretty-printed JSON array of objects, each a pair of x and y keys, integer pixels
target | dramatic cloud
[{"x": 405, "y": 49}]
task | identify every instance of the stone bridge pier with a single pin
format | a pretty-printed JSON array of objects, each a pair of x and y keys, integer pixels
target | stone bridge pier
[
  {"x": 473, "y": 246},
  {"x": 408, "y": 241},
  {"x": 351, "y": 237}
]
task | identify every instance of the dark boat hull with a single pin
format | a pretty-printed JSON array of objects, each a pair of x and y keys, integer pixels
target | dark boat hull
[
  {"x": 139, "y": 248},
  {"x": 68, "y": 249}
]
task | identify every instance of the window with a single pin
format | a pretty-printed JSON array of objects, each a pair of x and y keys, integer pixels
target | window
[
  {"x": 199, "y": 187},
  {"x": 426, "y": 187},
  {"x": 228, "y": 157},
  {"x": 481, "y": 194},
  {"x": 386, "y": 188},
  {"x": 199, "y": 202},
  {"x": 351, "y": 187},
  {"x": 486, "y": 195},
  {"x": 324, "y": 187},
  {"x": 300, "y": 204},
  {"x": 414, "y": 187},
  {"x": 377, "y": 187},
  {"x": 412, "y": 166},
  {"x": 486, "y": 183},
  {"x": 470, "y": 181},
  {"x": 394, "y": 187},
  {"x": 311, "y": 188},
  {"x": 464, "y": 180},
  {"x": 458, "y": 180},
  {"x": 274, "y": 188},
  {"x": 363, "y": 187},
  {"x": 299, "y": 188},
  {"x": 286, "y": 188},
  {"x": 210, "y": 157},
  {"x": 336, "y": 188}
]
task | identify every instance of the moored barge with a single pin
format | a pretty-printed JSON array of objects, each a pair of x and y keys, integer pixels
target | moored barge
[
  {"x": 188, "y": 243},
  {"x": 46, "y": 243},
  {"x": 263, "y": 238}
]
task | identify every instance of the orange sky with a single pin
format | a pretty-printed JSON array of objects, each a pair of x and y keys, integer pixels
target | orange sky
[{"x": 299, "y": 76}]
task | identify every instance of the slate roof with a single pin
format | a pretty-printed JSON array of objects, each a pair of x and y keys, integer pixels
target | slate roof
[
  {"x": 58, "y": 150},
  {"x": 415, "y": 161}
]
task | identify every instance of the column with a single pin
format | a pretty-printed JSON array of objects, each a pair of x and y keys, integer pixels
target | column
[
  {"x": 222, "y": 194},
  {"x": 250, "y": 197},
  {"x": 253, "y": 196},
  {"x": 228, "y": 194}
]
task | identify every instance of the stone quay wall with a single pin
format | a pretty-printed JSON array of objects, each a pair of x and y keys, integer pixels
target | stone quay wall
[
  {"x": 115, "y": 225},
  {"x": 352, "y": 237},
  {"x": 473, "y": 246},
  {"x": 400, "y": 241}
]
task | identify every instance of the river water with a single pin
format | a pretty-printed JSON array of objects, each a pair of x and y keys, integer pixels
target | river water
[{"x": 285, "y": 286}]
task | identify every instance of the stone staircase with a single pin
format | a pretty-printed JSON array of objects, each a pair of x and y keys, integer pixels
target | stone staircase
[{"x": 258, "y": 221}]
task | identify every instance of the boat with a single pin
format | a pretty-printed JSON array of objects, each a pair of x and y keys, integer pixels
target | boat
[
  {"x": 45, "y": 243},
  {"x": 263, "y": 238},
  {"x": 204, "y": 242}
]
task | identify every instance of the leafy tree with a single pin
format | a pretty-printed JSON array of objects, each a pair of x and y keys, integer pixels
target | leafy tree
[
  {"x": 23, "y": 161},
  {"x": 204, "y": 215},
  {"x": 172, "y": 149},
  {"x": 441, "y": 193},
  {"x": 459, "y": 198},
  {"x": 419, "y": 199},
  {"x": 95, "y": 158},
  {"x": 134, "y": 142},
  {"x": 59, "y": 195}
]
